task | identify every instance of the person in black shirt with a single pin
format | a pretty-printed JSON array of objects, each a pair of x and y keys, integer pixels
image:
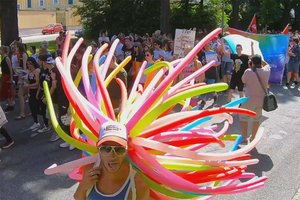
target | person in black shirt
[
  {"x": 128, "y": 51},
  {"x": 45, "y": 63},
  {"x": 32, "y": 86},
  {"x": 240, "y": 62},
  {"x": 60, "y": 101},
  {"x": 137, "y": 57},
  {"x": 211, "y": 74}
]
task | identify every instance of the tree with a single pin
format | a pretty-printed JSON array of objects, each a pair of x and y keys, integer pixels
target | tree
[
  {"x": 165, "y": 16},
  {"x": 296, "y": 7},
  {"x": 138, "y": 16},
  {"x": 271, "y": 13},
  {"x": 205, "y": 15},
  {"x": 9, "y": 21},
  {"x": 234, "y": 17}
]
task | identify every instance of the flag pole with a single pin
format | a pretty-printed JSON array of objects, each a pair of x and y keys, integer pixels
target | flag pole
[
  {"x": 286, "y": 29},
  {"x": 251, "y": 22}
]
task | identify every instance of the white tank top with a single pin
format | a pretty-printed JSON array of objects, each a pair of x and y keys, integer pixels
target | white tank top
[{"x": 14, "y": 61}]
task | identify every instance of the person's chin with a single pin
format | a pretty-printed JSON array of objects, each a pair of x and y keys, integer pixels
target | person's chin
[{"x": 113, "y": 167}]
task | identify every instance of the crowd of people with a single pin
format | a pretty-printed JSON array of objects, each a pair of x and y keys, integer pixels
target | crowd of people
[
  {"x": 22, "y": 76},
  {"x": 25, "y": 68}
]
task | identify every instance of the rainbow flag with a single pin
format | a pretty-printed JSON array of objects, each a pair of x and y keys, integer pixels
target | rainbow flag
[{"x": 273, "y": 48}]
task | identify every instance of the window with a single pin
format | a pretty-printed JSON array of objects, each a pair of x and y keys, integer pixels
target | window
[
  {"x": 29, "y": 4},
  {"x": 70, "y": 2},
  {"x": 41, "y": 3},
  {"x": 55, "y": 2}
]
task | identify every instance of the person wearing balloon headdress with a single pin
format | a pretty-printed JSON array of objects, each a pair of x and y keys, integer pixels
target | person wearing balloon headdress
[{"x": 111, "y": 177}]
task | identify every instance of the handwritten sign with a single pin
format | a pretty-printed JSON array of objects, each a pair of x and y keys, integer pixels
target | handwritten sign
[{"x": 184, "y": 39}]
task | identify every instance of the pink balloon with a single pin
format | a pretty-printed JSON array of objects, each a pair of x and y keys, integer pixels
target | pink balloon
[
  {"x": 108, "y": 58},
  {"x": 163, "y": 85},
  {"x": 189, "y": 78},
  {"x": 197, "y": 155},
  {"x": 85, "y": 77},
  {"x": 105, "y": 96},
  {"x": 165, "y": 177},
  {"x": 69, "y": 166}
]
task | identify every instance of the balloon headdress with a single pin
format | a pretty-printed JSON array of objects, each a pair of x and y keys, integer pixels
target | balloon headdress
[{"x": 166, "y": 148}]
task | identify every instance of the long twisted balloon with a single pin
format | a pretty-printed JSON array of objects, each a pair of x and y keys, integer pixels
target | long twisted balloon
[{"x": 167, "y": 148}]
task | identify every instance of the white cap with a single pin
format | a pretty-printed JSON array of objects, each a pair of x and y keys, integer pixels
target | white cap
[{"x": 113, "y": 131}]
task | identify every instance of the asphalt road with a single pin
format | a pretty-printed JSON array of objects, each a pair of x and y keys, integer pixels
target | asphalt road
[
  {"x": 35, "y": 35},
  {"x": 38, "y": 31},
  {"x": 41, "y": 37},
  {"x": 21, "y": 167}
]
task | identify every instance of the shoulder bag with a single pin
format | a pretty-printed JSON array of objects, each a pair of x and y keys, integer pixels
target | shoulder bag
[{"x": 270, "y": 102}]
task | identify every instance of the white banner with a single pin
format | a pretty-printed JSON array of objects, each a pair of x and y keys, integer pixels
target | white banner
[{"x": 184, "y": 39}]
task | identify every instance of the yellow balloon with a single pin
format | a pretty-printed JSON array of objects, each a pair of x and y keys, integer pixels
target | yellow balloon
[
  {"x": 184, "y": 167},
  {"x": 84, "y": 147},
  {"x": 151, "y": 115},
  {"x": 229, "y": 137},
  {"x": 82, "y": 126},
  {"x": 157, "y": 66},
  {"x": 117, "y": 70}
]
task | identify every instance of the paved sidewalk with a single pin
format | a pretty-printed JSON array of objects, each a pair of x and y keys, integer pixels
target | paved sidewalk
[{"x": 22, "y": 166}]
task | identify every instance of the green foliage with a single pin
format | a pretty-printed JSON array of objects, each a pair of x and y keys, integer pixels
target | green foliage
[
  {"x": 51, "y": 46},
  {"x": 141, "y": 16},
  {"x": 116, "y": 16},
  {"x": 268, "y": 9},
  {"x": 206, "y": 15},
  {"x": 271, "y": 14},
  {"x": 93, "y": 15}
]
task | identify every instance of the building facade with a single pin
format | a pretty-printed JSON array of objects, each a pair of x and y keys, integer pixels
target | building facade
[{"x": 39, "y": 13}]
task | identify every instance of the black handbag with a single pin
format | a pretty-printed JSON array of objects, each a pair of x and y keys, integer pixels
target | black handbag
[{"x": 270, "y": 102}]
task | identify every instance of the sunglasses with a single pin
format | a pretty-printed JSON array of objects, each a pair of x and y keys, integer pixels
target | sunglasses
[
  {"x": 148, "y": 55},
  {"x": 119, "y": 150}
]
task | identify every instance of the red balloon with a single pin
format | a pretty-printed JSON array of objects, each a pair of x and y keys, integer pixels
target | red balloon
[{"x": 177, "y": 122}]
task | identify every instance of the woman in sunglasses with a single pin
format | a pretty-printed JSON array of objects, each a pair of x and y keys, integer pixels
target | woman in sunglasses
[
  {"x": 111, "y": 177},
  {"x": 149, "y": 57}
]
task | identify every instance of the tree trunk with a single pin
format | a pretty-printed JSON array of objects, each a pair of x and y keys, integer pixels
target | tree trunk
[
  {"x": 9, "y": 21},
  {"x": 286, "y": 18},
  {"x": 165, "y": 16},
  {"x": 296, "y": 25},
  {"x": 234, "y": 21}
]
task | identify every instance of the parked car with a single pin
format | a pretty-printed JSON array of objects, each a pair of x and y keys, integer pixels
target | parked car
[
  {"x": 52, "y": 28},
  {"x": 79, "y": 33}
]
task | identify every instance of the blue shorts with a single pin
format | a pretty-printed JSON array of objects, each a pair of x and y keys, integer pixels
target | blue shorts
[
  {"x": 226, "y": 68},
  {"x": 210, "y": 81},
  {"x": 293, "y": 67}
]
